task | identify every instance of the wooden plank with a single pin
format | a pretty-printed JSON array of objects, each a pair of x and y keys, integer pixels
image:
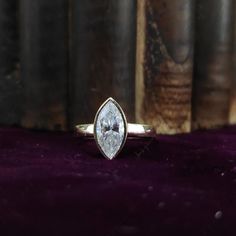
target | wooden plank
[
  {"x": 213, "y": 58},
  {"x": 44, "y": 62},
  {"x": 232, "y": 112},
  {"x": 164, "y": 64},
  {"x": 102, "y": 56},
  {"x": 10, "y": 86}
]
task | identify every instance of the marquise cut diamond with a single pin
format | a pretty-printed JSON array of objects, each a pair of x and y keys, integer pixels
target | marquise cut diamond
[{"x": 110, "y": 128}]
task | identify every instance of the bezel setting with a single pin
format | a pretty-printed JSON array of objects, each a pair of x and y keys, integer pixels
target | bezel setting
[{"x": 122, "y": 115}]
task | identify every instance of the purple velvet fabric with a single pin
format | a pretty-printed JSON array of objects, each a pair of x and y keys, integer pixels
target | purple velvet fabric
[{"x": 59, "y": 184}]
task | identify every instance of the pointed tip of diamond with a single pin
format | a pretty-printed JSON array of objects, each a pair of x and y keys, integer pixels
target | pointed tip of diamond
[
  {"x": 110, "y": 99},
  {"x": 110, "y": 128}
]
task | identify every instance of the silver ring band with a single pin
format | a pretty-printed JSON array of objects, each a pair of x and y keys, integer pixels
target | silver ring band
[{"x": 134, "y": 130}]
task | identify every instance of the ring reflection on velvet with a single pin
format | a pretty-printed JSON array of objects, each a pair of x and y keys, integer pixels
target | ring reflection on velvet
[{"x": 110, "y": 129}]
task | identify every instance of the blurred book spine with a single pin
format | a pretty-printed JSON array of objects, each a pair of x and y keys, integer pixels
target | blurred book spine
[
  {"x": 44, "y": 62},
  {"x": 10, "y": 86},
  {"x": 213, "y": 63},
  {"x": 102, "y": 61},
  {"x": 232, "y": 114},
  {"x": 164, "y": 64}
]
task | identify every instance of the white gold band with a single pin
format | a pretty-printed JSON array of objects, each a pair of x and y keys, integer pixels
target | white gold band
[{"x": 134, "y": 130}]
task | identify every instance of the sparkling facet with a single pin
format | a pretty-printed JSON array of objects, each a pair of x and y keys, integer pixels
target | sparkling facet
[{"x": 110, "y": 129}]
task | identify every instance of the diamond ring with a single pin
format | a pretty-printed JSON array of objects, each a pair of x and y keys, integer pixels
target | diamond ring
[{"x": 110, "y": 129}]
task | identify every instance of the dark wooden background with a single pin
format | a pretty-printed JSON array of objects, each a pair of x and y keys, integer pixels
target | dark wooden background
[{"x": 169, "y": 63}]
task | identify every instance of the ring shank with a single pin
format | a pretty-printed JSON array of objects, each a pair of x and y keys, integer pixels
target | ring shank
[{"x": 134, "y": 130}]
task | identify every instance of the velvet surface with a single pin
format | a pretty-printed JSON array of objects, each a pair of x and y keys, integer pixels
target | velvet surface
[{"x": 59, "y": 184}]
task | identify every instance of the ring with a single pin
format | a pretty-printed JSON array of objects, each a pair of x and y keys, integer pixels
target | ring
[{"x": 110, "y": 129}]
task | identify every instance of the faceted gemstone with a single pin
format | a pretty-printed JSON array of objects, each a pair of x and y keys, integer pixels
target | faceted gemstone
[{"x": 110, "y": 128}]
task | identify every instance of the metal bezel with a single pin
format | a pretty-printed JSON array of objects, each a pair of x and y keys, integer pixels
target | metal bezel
[{"x": 125, "y": 126}]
